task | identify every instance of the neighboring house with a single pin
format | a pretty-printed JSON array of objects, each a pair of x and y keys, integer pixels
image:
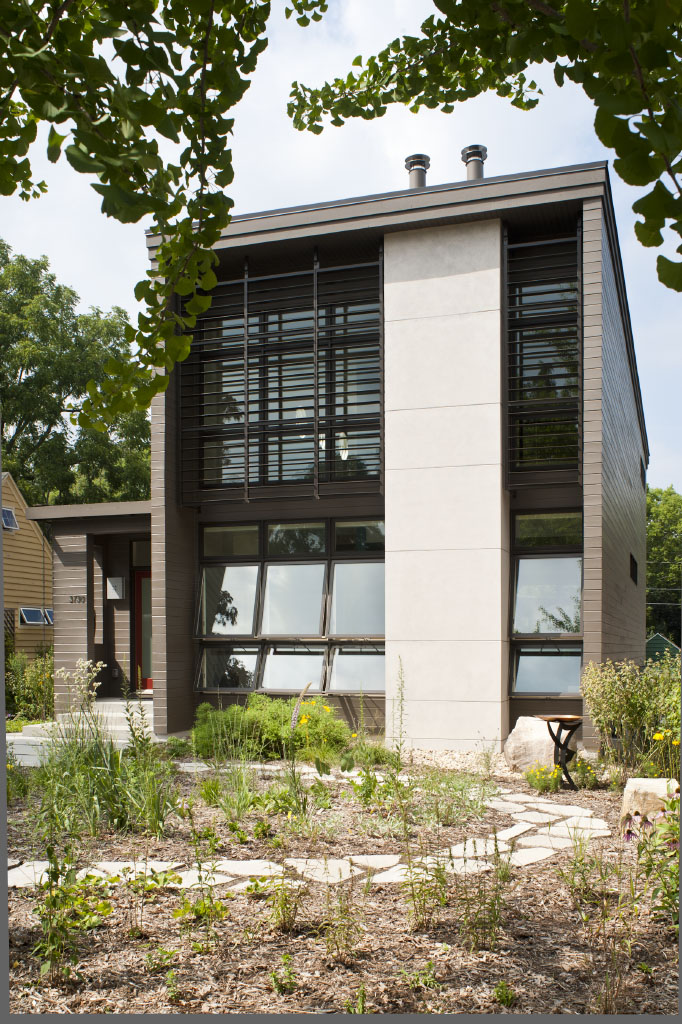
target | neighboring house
[
  {"x": 657, "y": 645},
  {"x": 430, "y": 394},
  {"x": 27, "y": 575}
]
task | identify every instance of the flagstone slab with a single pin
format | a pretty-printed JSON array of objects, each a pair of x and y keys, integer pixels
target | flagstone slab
[
  {"x": 515, "y": 830},
  {"x": 190, "y": 767},
  {"x": 394, "y": 875},
  {"x": 569, "y": 833},
  {"x": 376, "y": 860},
  {"x": 127, "y": 868},
  {"x": 328, "y": 870},
  {"x": 567, "y": 810},
  {"x": 25, "y": 876},
  {"x": 537, "y": 817},
  {"x": 190, "y": 879},
  {"x": 12, "y": 862},
  {"x": 259, "y": 868},
  {"x": 550, "y": 842},
  {"x": 506, "y": 806},
  {"x": 521, "y": 858},
  {"x": 518, "y": 798},
  {"x": 453, "y": 865},
  {"x": 478, "y": 847},
  {"x": 585, "y": 822}
]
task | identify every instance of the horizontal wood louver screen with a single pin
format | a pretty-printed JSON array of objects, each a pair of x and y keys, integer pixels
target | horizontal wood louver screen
[
  {"x": 281, "y": 392},
  {"x": 543, "y": 370}
]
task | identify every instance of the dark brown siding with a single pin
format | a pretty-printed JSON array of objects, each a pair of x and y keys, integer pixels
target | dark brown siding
[
  {"x": 520, "y": 707},
  {"x": 173, "y": 586},
  {"x": 613, "y": 444},
  {"x": 623, "y": 494},
  {"x": 72, "y": 564}
]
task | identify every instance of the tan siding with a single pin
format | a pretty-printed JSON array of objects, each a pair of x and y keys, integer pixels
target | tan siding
[
  {"x": 27, "y": 571},
  {"x": 72, "y": 579}
]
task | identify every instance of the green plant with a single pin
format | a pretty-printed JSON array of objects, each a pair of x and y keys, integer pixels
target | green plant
[
  {"x": 17, "y": 779},
  {"x": 172, "y": 989},
  {"x": 285, "y": 900},
  {"x": 480, "y": 898},
  {"x": 204, "y": 911},
  {"x": 360, "y": 1004},
  {"x": 583, "y": 774},
  {"x": 237, "y": 794},
  {"x": 343, "y": 921},
  {"x": 211, "y": 790},
  {"x": 284, "y": 980},
  {"x": 367, "y": 787},
  {"x": 29, "y": 686},
  {"x": 158, "y": 960},
  {"x": 544, "y": 779},
  {"x": 69, "y": 906},
  {"x": 177, "y": 746},
  {"x": 658, "y": 847},
  {"x": 262, "y": 830},
  {"x": 503, "y": 994},
  {"x": 449, "y": 798},
  {"x": 17, "y": 724},
  {"x": 261, "y": 729},
  {"x": 422, "y": 977},
  {"x": 425, "y": 890},
  {"x": 629, "y": 704},
  {"x": 239, "y": 834}
]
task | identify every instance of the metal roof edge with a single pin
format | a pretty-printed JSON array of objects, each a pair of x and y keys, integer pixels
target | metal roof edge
[{"x": 95, "y": 510}]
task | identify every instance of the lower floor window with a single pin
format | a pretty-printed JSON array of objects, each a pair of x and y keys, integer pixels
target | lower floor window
[
  {"x": 546, "y": 669},
  {"x": 287, "y": 668}
]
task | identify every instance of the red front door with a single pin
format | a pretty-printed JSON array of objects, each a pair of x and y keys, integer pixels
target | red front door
[{"x": 143, "y": 629}]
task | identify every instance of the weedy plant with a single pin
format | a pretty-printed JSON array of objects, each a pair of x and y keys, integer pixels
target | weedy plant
[
  {"x": 479, "y": 896},
  {"x": 658, "y": 850},
  {"x": 205, "y": 911},
  {"x": 172, "y": 987},
  {"x": 159, "y": 959},
  {"x": 422, "y": 978},
  {"x": 544, "y": 779},
  {"x": 17, "y": 779},
  {"x": 583, "y": 773},
  {"x": 343, "y": 920},
  {"x": 69, "y": 906},
  {"x": 284, "y": 980},
  {"x": 360, "y": 1004},
  {"x": 285, "y": 899},
  {"x": 608, "y": 895},
  {"x": 504, "y": 994}
]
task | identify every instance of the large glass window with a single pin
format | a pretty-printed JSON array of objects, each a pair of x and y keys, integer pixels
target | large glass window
[
  {"x": 360, "y": 535},
  {"x": 228, "y": 600},
  {"x": 230, "y": 541},
  {"x": 547, "y": 598},
  {"x": 357, "y": 669},
  {"x": 548, "y": 530},
  {"x": 291, "y": 668},
  {"x": 296, "y": 539},
  {"x": 228, "y": 668},
  {"x": 357, "y": 607},
  {"x": 546, "y": 670},
  {"x": 293, "y": 600}
]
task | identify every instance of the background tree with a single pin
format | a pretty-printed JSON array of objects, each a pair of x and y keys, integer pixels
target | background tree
[
  {"x": 122, "y": 84},
  {"x": 48, "y": 354},
  {"x": 664, "y": 561},
  {"x": 626, "y": 55}
]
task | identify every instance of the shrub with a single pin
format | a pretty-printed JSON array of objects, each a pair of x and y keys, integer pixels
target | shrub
[
  {"x": 261, "y": 728},
  {"x": 543, "y": 778},
  {"x": 583, "y": 774},
  {"x": 29, "y": 686},
  {"x": 630, "y": 704}
]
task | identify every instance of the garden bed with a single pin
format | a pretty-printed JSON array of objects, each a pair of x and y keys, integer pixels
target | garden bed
[{"x": 542, "y": 960}]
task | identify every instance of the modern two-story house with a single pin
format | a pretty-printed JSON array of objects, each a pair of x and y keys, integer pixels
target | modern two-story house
[{"x": 404, "y": 462}]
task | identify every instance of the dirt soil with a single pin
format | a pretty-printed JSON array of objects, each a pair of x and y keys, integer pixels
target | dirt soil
[{"x": 543, "y": 953}]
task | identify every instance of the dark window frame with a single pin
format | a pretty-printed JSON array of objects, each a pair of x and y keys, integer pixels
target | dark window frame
[
  {"x": 548, "y": 640},
  {"x": 206, "y": 637}
]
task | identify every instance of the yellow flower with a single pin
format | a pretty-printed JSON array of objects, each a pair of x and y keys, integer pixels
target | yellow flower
[
  {"x": 658, "y": 735},
  {"x": 304, "y": 719},
  {"x": 353, "y": 735},
  {"x": 676, "y": 743},
  {"x": 326, "y": 708}
]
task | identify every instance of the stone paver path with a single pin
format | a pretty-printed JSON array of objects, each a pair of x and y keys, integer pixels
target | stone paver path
[{"x": 541, "y": 828}]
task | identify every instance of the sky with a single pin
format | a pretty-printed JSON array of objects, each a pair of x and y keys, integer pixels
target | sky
[{"x": 277, "y": 166}]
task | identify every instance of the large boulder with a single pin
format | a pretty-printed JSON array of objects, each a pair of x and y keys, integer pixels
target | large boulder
[
  {"x": 528, "y": 744},
  {"x": 645, "y": 797}
]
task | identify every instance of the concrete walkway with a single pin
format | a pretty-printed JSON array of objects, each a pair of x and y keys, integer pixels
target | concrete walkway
[{"x": 541, "y": 828}]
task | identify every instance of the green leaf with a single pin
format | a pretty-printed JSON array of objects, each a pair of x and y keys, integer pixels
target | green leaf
[
  {"x": 637, "y": 168},
  {"x": 82, "y": 161},
  {"x": 54, "y": 145},
  {"x": 648, "y": 235},
  {"x": 669, "y": 273},
  {"x": 198, "y": 304}
]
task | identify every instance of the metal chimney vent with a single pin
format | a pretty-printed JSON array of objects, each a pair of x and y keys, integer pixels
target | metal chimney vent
[
  {"x": 473, "y": 157},
  {"x": 417, "y": 164}
]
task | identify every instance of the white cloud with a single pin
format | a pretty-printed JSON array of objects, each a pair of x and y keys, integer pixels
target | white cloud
[{"x": 277, "y": 166}]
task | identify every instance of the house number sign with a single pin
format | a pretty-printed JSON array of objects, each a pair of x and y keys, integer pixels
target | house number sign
[{"x": 76, "y": 599}]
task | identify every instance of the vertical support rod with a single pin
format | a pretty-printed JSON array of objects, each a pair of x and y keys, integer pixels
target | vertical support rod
[
  {"x": 316, "y": 389},
  {"x": 246, "y": 378}
]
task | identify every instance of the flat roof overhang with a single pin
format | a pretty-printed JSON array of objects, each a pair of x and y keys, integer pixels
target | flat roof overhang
[
  {"x": 99, "y": 510},
  {"x": 412, "y": 208}
]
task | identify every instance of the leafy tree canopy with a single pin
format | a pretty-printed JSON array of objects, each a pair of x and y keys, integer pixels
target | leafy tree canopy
[
  {"x": 664, "y": 561},
  {"x": 48, "y": 355},
  {"x": 626, "y": 55},
  {"x": 121, "y": 83}
]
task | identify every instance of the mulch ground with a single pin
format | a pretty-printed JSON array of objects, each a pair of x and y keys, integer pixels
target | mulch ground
[{"x": 543, "y": 953}]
